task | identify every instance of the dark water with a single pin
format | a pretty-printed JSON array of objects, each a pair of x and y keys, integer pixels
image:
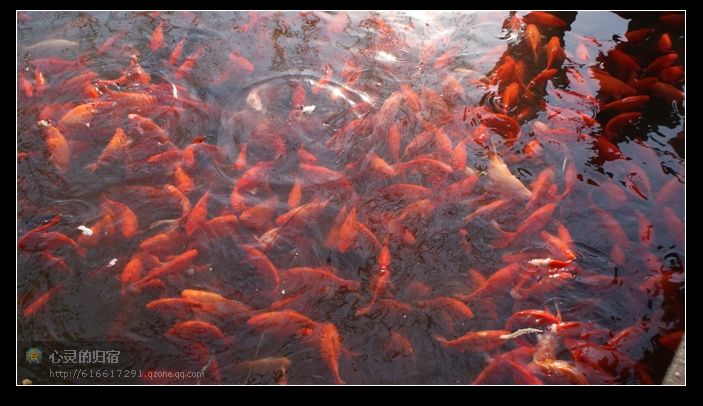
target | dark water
[{"x": 415, "y": 139}]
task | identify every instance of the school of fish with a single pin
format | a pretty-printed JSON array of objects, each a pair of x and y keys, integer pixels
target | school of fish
[{"x": 316, "y": 229}]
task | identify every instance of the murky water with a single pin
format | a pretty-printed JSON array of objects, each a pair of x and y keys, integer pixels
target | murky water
[{"x": 368, "y": 198}]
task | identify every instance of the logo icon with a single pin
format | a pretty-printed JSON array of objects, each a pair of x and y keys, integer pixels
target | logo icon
[{"x": 33, "y": 356}]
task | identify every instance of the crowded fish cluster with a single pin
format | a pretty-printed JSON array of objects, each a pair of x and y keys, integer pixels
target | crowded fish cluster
[{"x": 394, "y": 208}]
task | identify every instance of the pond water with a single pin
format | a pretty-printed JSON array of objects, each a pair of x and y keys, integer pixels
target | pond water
[{"x": 350, "y": 197}]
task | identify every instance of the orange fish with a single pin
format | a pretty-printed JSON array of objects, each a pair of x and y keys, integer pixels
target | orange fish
[
  {"x": 610, "y": 85},
  {"x": 295, "y": 279},
  {"x": 39, "y": 303},
  {"x": 500, "y": 279},
  {"x": 183, "y": 181},
  {"x": 241, "y": 62},
  {"x": 58, "y": 148},
  {"x": 189, "y": 64},
  {"x": 667, "y": 92},
  {"x": 616, "y": 124},
  {"x": 347, "y": 232},
  {"x": 267, "y": 271},
  {"x": 25, "y": 85},
  {"x": 157, "y": 37},
  {"x": 532, "y": 37},
  {"x": 535, "y": 222},
  {"x": 198, "y": 331},
  {"x": 331, "y": 349},
  {"x": 542, "y": 77},
  {"x": 177, "y": 264},
  {"x": 662, "y": 62},
  {"x": 476, "y": 341},
  {"x": 122, "y": 216},
  {"x": 510, "y": 96},
  {"x": 177, "y": 53},
  {"x": 555, "y": 53},
  {"x": 110, "y": 43},
  {"x": 626, "y": 103},
  {"x": 197, "y": 216},
  {"x": 664, "y": 43},
  {"x": 410, "y": 97},
  {"x": 282, "y": 323},
  {"x": 113, "y": 151},
  {"x": 382, "y": 281},
  {"x": 544, "y": 19},
  {"x": 81, "y": 114},
  {"x": 672, "y": 74},
  {"x": 446, "y": 58},
  {"x": 260, "y": 215},
  {"x": 295, "y": 195}
]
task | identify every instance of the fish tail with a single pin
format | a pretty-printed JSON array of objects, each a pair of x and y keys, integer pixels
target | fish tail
[
  {"x": 505, "y": 237},
  {"x": 442, "y": 340}
]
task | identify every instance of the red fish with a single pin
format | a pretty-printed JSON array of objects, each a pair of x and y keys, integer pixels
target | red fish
[
  {"x": 265, "y": 268},
  {"x": 39, "y": 303},
  {"x": 510, "y": 96},
  {"x": 636, "y": 36},
  {"x": 500, "y": 279},
  {"x": 58, "y": 148},
  {"x": 282, "y": 323},
  {"x": 667, "y": 92},
  {"x": 177, "y": 52},
  {"x": 113, "y": 151},
  {"x": 626, "y": 103},
  {"x": 197, "y": 216},
  {"x": 542, "y": 77},
  {"x": 673, "y": 19},
  {"x": 295, "y": 279},
  {"x": 331, "y": 348},
  {"x": 662, "y": 62},
  {"x": 157, "y": 37},
  {"x": 476, "y": 341},
  {"x": 175, "y": 265},
  {"x": 610, "y": 85},
  {"x": 122, "y": 216},
  {"x": 664, "y": 43},
  {"x": 672, "y": 74},
  {"x": 534, "y": 223},
  {"x": 381, "y": 285},
  {"x": 25, "y": 85},
  {"x": 446, "y": 58},
  {"x": 532, "y": 38},
  {"x": 544, "y": 19},
  {"x": 241, "y": 62},
  {"x": 198, "y": 331},
  {"x": 260, "y": 215},
  {"x": 616, "y": 124},
  {"x": 555, "y": 53}
]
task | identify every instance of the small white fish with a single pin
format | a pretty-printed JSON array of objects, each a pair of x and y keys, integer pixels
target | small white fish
[
  {"x": 254, "y": 101},
  {"x": 504, "y": 180},
  {"x": 112, "y": 262},
  {"x": 85, "y": 230},
  {"x": 54, "y": 47},
  {"x": 309, "y": 109}
]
